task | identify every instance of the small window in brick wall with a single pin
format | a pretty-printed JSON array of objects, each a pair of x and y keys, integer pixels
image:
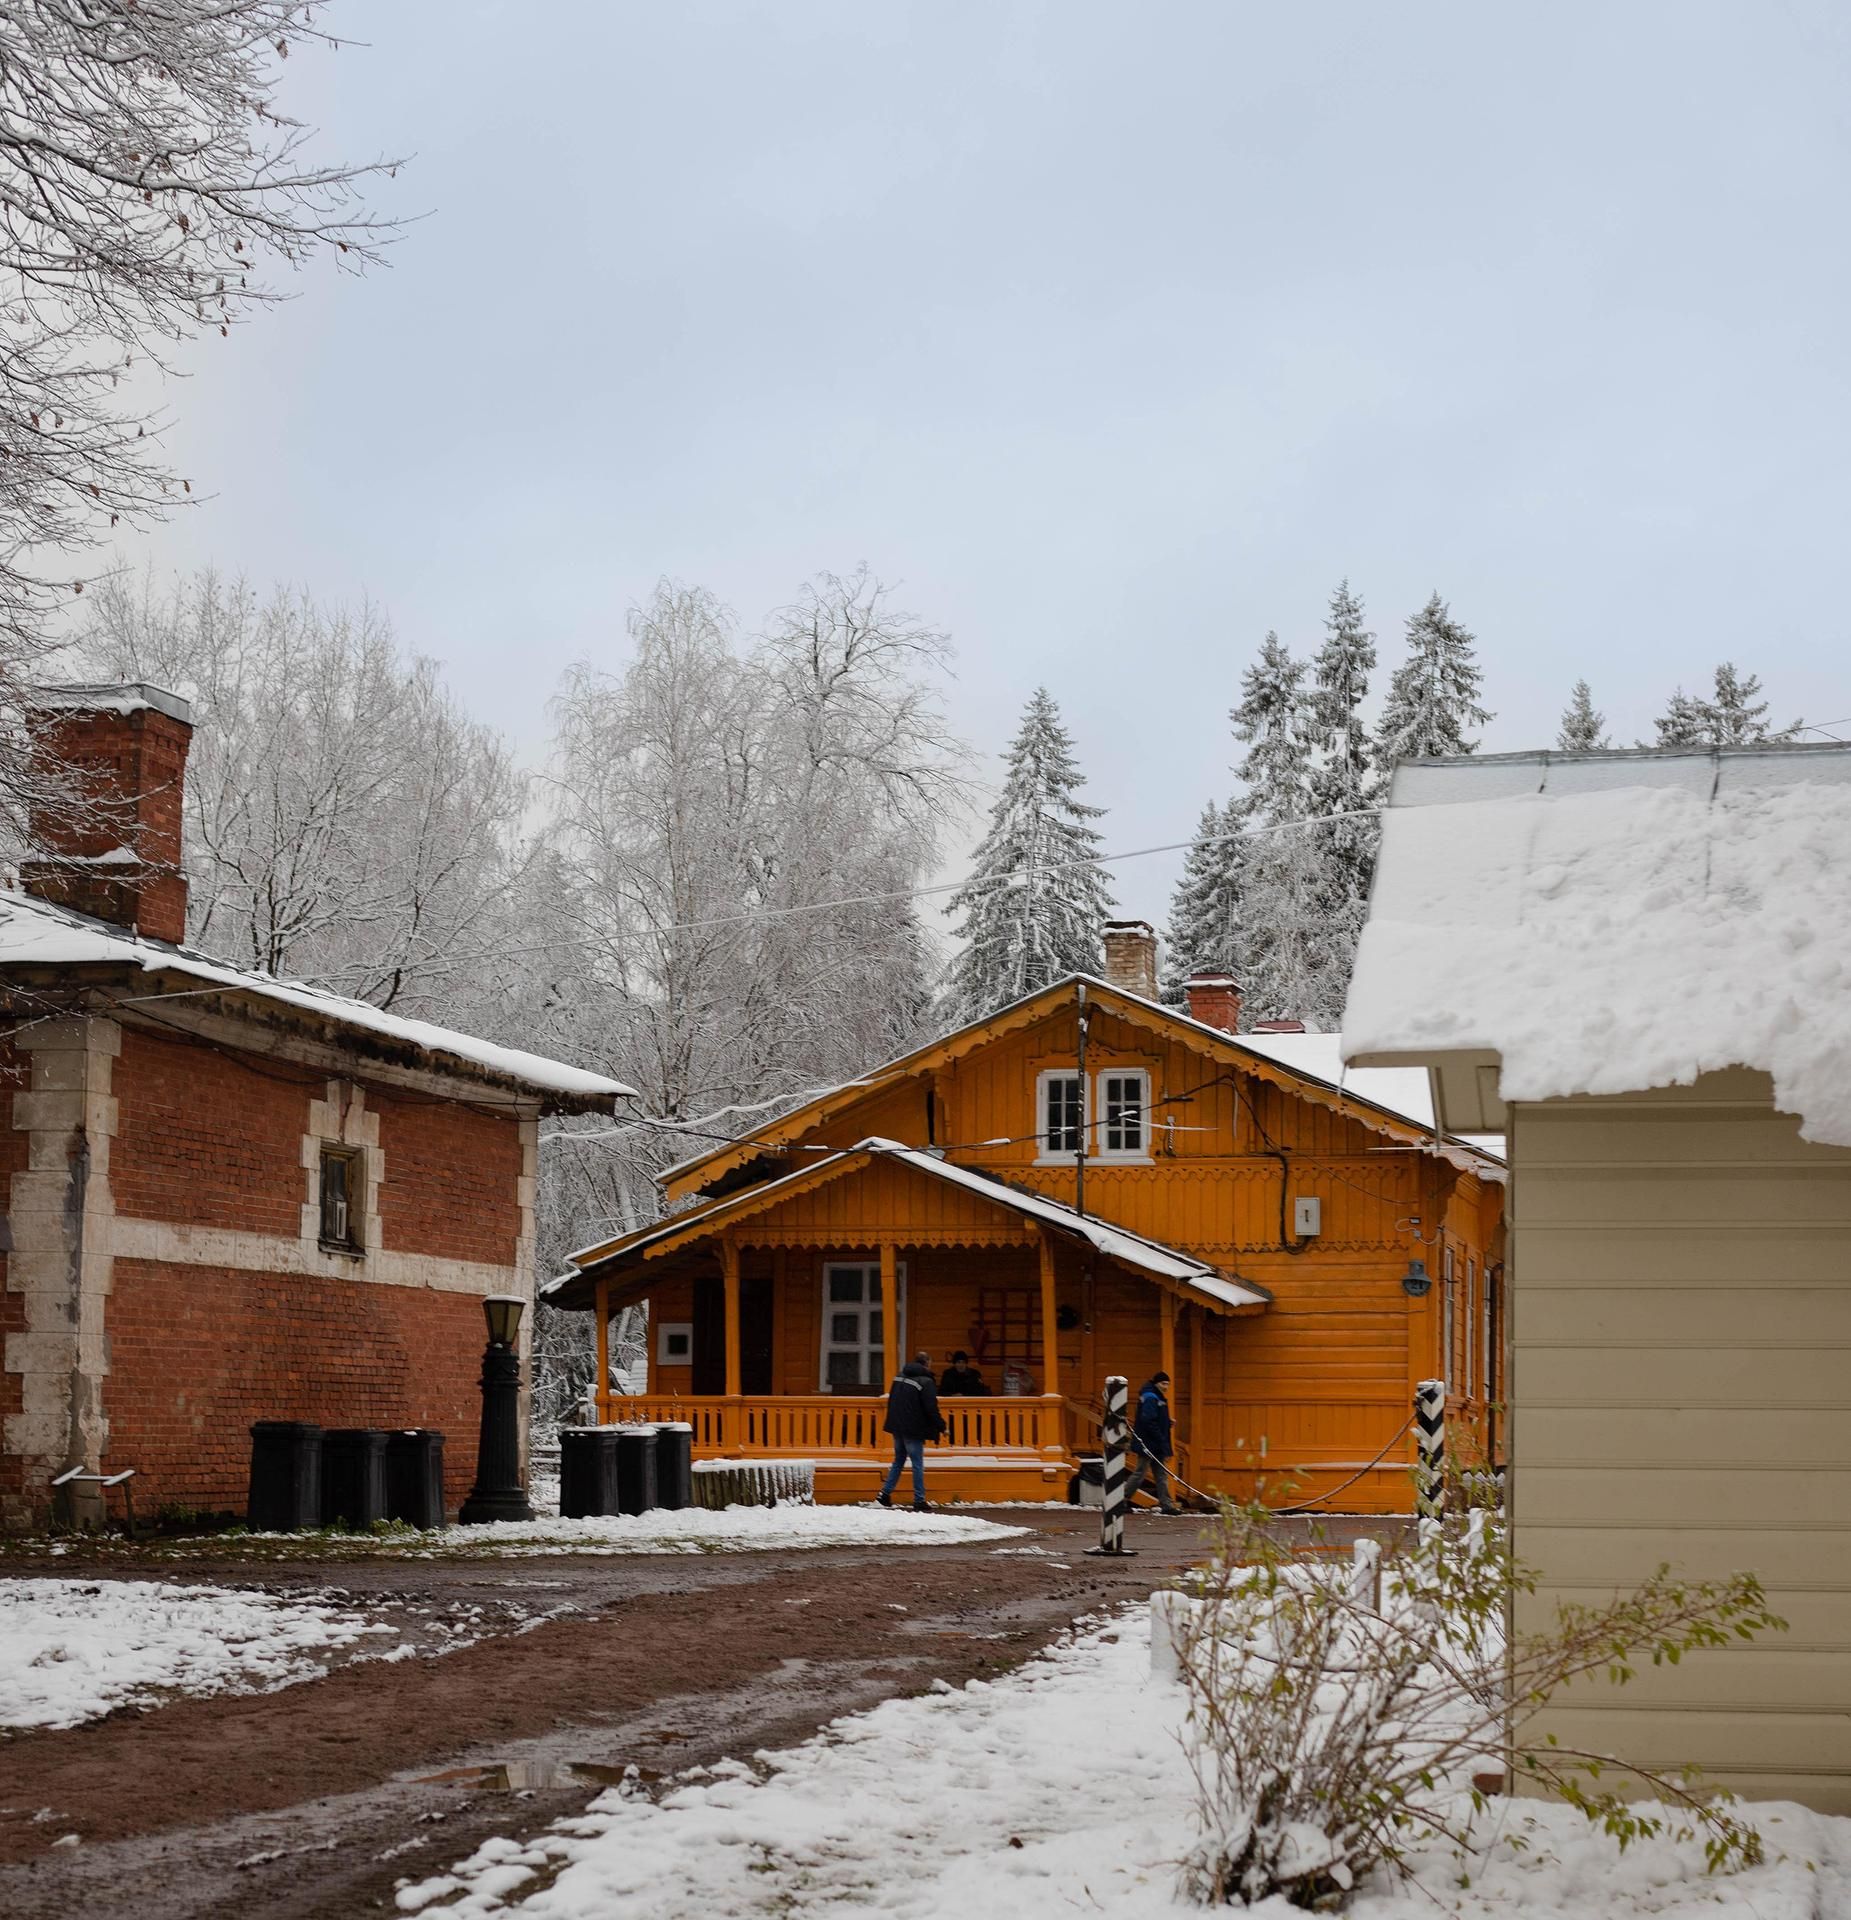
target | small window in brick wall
[{"x": 340, "y": 1200}]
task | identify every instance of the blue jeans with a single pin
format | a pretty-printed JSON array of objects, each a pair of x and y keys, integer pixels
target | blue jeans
[{"x": 903, "y": 1451}]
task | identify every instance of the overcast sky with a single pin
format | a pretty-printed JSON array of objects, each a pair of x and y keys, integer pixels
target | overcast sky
[{"x": 1117, "y": 334}]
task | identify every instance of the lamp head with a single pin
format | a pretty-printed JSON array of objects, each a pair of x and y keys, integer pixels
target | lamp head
[
  {"x": 1416, "y": 1281},
  {"x": 503, "y": 1313}
]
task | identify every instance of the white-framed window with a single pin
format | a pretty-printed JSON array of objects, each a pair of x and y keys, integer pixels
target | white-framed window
[
  {"x": 854, "y": 1332},
  {"x": 1470, "y": 1302},
  {"x": 1124, "y": 1113},
  {"x": 1060, "y": 1101},
  {"x": 1449, "y": 1361},
  {"x": 1487, "y": 1307},
  {"x": 675, "y": 1343}
]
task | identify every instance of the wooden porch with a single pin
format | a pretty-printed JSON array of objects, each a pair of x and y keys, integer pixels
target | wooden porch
[{"x": 1001, "y": 1448}]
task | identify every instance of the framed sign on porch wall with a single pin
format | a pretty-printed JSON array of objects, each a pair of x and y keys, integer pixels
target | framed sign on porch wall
[{"x": 853, "y": 1356}]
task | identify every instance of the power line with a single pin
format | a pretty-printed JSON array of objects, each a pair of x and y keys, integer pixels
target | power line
[{"x": 1053, "y": 866}]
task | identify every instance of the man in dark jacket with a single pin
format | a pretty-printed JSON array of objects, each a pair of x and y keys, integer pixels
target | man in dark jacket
[
  {"x": 913, "y": 1418},
  {"x": 962, "y": 1377},
  {"x": 1151, "y": 1435}
]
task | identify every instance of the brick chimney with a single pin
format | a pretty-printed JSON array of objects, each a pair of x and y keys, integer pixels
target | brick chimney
[
  {"x": 1131, "y": 957},
  {"x": 114, "y": 851},
  {"x": 1214, "y": 1000}
]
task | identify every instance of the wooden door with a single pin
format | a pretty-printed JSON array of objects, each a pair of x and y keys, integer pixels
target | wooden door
[
  {"x": 709, "y": 1357},
  {"x": 756, "y": 1305}
]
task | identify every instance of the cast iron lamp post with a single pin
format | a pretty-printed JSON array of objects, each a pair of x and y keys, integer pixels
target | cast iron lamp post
[{"x": 498, "y": 1493}]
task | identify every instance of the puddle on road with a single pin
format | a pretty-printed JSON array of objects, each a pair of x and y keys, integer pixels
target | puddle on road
[{"x": 532, "y": 1776}]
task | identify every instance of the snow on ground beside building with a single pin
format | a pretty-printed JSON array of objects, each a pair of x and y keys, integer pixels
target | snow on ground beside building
[
  {"x": 696, "y": 1530},
  {"x": 71, "y": 1650},
  {"x": 1611, "y": 924},
  {"x": 1060, "y": 1789}
]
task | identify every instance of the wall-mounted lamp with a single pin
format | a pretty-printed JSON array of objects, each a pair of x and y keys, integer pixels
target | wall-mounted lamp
[{"x": 1416, "y": 1281}]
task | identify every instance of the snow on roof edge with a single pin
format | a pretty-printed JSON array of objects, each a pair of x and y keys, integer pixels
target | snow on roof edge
[
  {"x": 57, "y": 936},
  {"x": 1118, "y": 1242}
]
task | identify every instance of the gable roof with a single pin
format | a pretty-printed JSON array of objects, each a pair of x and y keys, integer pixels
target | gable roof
[
  {"x": 1179, "y": 1271},
  {"x": 1614, "y": 922},
  {"x": 35, "y": 933},
  {"x": 1392, "y": 1101}
]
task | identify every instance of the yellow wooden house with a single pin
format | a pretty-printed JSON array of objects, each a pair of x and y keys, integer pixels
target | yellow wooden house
[{"x": 1084, "y": 1183}]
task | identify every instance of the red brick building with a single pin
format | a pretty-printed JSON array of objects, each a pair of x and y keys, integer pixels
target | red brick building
[{"x": 228, "y": 1197}]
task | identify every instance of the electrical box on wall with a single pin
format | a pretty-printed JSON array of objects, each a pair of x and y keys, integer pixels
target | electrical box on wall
[{"x": 1307, "y": 1218}]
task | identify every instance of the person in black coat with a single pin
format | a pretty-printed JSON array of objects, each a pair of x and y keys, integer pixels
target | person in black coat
[
  {"x": 1152, "y": 1435},
  {"x": 913, "y": 1418},
  {"x": 961, "y": 1377}
]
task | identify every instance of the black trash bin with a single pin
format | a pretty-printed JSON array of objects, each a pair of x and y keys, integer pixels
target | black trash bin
[
  {"x": 353, "y": 1477},
  {"x": 285, "y": 1476},
  {"x": 587, "y": 1472},
  {"x": 636, "y": 1469},
  {"x": 675, "y": 1465},
  {"x": 414, "y": 1476}
]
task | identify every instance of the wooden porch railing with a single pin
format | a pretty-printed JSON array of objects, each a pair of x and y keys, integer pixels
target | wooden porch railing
[{"x": 801, "y": 1427}]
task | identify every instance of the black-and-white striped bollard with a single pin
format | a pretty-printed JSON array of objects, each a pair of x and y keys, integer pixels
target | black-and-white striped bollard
[
  {"x": 1430, "y": 1440},
  {"x": 1114, "y": 1431}
]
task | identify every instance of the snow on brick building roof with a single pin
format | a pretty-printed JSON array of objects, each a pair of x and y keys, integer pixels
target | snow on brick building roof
[
  {"x": 1609, "y": 923},
  {"x": 35, "y": 933}
]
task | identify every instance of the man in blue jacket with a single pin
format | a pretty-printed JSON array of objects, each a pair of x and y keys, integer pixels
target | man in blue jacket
[
  {"x": 913, "y": 1418},
  {"x": 1151, "y": 1435}
]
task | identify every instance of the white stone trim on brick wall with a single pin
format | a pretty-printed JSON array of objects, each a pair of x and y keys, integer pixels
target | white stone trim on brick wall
[
  {"x": 340, "y": 1119},
  {"x": 177, "y": 1242},
  {"x": 59, "y": 1212}
]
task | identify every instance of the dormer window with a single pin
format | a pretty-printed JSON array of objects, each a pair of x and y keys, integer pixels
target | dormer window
[
  {"x": 1124, "y": 1100},
  {"x": 1063, "y": 1114},
  {"x": 1113, "y": 1124}
]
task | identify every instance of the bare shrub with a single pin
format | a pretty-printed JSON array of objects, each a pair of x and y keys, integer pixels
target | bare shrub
[{"x": 1333, "y": 1723}]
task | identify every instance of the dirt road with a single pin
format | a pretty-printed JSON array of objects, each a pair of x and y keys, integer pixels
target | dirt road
[{"x": 315, "y": 1801}]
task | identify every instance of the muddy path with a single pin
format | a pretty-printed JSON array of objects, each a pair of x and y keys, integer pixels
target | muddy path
[{"x": 317, "y": 1800}]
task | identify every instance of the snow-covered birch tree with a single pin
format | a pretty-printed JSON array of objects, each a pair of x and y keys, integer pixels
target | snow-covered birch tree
[
  {"x": 1583, "y": 729},
  {"x": 149, "y": 179},
  {"x": 1037, "y": 898},
  {"x": 1432, "y": 703},
  {"x": 346, "y": 822}
]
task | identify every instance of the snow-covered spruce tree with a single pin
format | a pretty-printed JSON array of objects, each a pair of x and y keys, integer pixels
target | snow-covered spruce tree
[
  {"x": 1289, "y": 972},
  {"x": 1583, "y": 729},
  {"x": 1207, "y": 929},
  {"x": 1731, "y": 717},
  {"x": 1433, "y": 698},
  {"x": 1037, "y": 896},
  {"x": 1344, "y": 780}
]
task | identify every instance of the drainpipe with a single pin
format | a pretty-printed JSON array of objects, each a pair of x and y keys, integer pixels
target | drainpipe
[{"x": 1079, "y": 1173}]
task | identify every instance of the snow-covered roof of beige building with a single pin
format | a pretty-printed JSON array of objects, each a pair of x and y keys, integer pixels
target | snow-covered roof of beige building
[
  {"x": 36, "y": 934},
  {"x": 1613, "y": 922}
]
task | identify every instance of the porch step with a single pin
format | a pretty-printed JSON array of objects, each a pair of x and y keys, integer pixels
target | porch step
[{"x": 950, "y": 1476}]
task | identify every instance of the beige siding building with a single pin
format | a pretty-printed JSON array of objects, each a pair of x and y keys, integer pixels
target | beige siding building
[{"x": 1645, "y": 981}]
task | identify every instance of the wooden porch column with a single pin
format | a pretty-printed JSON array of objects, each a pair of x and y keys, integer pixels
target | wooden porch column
[
  {"x": 1054, "y": 1426},
  {"x": 1197, "y": 1362},
  {"x": 729, "y": 1278},
  {"x": 1167, "y": 1306},
  {"x": 601, "y": 1398},
  {"x": 890, "y": 1310}
]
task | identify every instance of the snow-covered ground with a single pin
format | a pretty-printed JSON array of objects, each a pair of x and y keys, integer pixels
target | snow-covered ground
[
  {"x": 71, "y": 1650},
  {"x": 1061, "y": 1789},
  {"x": 695, "y": 1530}
]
